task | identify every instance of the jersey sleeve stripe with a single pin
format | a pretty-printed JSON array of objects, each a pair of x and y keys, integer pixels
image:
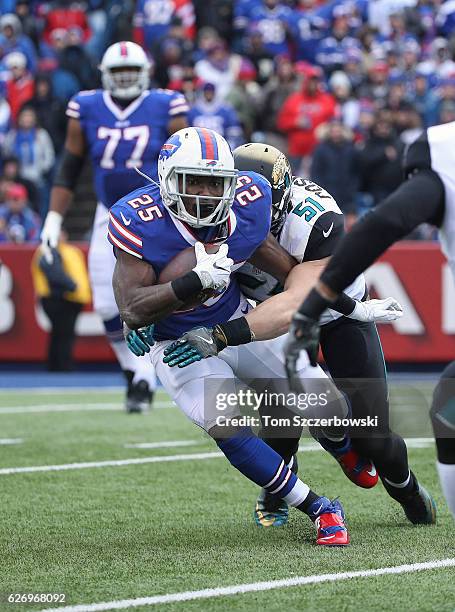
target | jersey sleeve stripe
[
  {"x": 74, "y": 105},
  {"x": 124, "y": 232},
  {"x": 178, "y": 110},
  {"x": 177, "y": 101},
  {"x": 118, "y": 243},
  {"x": 72, "y": 113}
]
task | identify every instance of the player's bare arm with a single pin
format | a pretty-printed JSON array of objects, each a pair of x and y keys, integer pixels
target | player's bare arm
[
  {"x": 140, "y": 300},
  {"x": 272, "y": 258},
  {"x": 176, "y": 124},
  {"x": 273, "y": 317}
]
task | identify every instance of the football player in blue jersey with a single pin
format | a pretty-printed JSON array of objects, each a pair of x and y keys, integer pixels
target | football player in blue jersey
[
  {"x": 200, "y": 200},
  {"x": 308, "y": 224},
  {"x": 120, "y": 128}
]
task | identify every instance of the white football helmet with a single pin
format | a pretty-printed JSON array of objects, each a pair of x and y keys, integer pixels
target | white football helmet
[
  {"x": 125, "y": 70},
  {"x": 197, "y": 151}
]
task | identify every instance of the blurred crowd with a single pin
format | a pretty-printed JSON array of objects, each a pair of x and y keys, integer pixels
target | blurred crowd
[{"x": 341, "y": 86}]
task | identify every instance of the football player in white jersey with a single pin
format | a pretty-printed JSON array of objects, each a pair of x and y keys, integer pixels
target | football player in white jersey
[
  {"x": 120, "y": 128},
  {"x": 308, "y": 224},
  {"x": 427, "y": 196}
]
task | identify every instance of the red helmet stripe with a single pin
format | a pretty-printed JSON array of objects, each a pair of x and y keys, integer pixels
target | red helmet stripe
[{"x": 210, "y": 148}]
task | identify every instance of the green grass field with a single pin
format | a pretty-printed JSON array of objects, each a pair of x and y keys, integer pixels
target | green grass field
[{"x": 117, "y": 532}]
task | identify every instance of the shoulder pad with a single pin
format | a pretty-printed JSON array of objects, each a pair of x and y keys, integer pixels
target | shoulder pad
[
  {"x": 310, "y": 201},
  {"x": 253, "y": 206},
  {"x": 80, "y": 101},
  {"x": 130, "y": 217}
]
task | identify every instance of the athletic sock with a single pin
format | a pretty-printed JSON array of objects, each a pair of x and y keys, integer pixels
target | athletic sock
[
  {"x": 401, "y": 490},
  {"x": 447, "y": 477},
  {"x": 264, "y": 466},
  {"x": 308, "y": 502}
]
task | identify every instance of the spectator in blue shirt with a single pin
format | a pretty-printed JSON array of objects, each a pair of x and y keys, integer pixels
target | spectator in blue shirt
[
  {"x": 216, "y": 115},
  {"x": 12, "y": 39},
  {"x": 18, "y": 222}
]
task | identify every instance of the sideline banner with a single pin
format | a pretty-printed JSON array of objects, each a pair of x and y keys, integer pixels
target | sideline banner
[{"x": 415, "y": 273}]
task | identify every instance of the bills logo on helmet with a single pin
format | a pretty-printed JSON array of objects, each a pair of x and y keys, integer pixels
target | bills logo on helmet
[
  {"x": 211, "y": 162},
  {"x": 170, "y": 147}
]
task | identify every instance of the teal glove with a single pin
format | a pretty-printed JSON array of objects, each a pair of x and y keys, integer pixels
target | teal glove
[
  {"x": 139, "y": 340},
  {"x": 197, "y": 344}
]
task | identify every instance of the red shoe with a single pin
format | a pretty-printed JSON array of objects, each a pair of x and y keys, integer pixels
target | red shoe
[
  {"x": 329, "y": 520},
  {"x": 360, "y": 471}
]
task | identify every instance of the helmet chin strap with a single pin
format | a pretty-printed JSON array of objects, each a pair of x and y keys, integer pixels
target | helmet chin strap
[{"x": 148, "y": 178}]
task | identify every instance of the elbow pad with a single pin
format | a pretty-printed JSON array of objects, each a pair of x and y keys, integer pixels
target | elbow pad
[{"x": 69, "y": 170}]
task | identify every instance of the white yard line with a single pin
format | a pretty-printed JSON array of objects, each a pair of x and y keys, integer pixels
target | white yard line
[
  {"x": 112, "y": 463},
  {"x": 10, "y": 441},
  {"x": 60, "y": 390},
  {"x": 255, "y": 587},
  {"x": 168, "y": 444},
  {"x": 311, "y": 447},
  {"x": 37, "y": 408}
]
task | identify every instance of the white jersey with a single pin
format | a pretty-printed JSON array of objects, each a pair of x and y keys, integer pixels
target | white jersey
[
  {"x": 311, "y": 231},
  {"x": 441, "y": 140}
]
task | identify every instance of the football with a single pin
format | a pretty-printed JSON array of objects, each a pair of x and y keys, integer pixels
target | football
[{"x": 182, "y": 263}]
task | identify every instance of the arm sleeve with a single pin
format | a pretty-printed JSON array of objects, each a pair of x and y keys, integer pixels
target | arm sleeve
[{"x": 421, "y": 199}]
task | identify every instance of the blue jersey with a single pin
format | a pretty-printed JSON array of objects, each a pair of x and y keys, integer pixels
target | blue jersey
[
  {"x": 221, "y": 118},
  {"x": 307, "y": 30},
  {"x": 118, "y": 140},
  {"x": 140, "y": 225},
  {"x": 273, "y": 25}
]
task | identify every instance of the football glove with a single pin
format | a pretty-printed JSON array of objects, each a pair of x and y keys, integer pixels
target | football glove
[
  {"x": 213, "y": 269},
  {"x": 139, "y": 340},
  {"x": 377, "y": 311},
  {"x": 303, "y": 335},
  {"x": 50, "y": 234},
  {"x": 197, "y": 344}
]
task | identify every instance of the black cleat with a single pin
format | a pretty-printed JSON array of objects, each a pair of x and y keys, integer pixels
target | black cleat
[
  {"x": 420, "y": 507},
  {"x": 138, "y": 397}
]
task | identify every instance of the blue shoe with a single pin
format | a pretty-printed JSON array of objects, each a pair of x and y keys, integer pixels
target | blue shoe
[{"x": 328, "y": 516}]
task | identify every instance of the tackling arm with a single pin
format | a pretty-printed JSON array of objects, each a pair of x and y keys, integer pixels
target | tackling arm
[{"x": 273, "y": 317}]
